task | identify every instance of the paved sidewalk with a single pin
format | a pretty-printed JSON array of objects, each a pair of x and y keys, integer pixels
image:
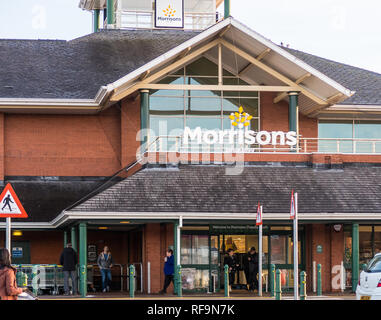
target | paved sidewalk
[{"x": 239, "y": 296}]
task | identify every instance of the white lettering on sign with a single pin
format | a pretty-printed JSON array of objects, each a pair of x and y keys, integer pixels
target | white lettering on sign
[{"x": 247, "y": 137}]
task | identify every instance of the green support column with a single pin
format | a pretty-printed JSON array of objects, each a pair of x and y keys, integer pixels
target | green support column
[
  {"x": 83, "y": 259},
  {"x": 65, "y": 238},
  {"x": 96, "y": 20},
  {"x": 175, "y": 275},
  {"x": 226, "y": 9},
  {"x": 74, "y": 238},
  {"x": 144, "y": 106},
  {"x": 110, "y": 12},
  {"x": 292, "y": 110},
  {"x": 355, "y": 256}
]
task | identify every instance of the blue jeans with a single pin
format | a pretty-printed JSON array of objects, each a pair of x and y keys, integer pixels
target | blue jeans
[
  {"x": 106, "y": 278},
  {"x": 73, "y": 276}
]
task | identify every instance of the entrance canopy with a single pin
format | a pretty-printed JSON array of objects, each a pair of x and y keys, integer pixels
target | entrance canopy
[
  {"x": 244, "y": 53},
  {"x": 207, "y": 194}
]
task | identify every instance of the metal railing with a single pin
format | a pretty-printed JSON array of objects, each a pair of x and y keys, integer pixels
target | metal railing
[
  {"x": 145, "y": 19},
  {"x": 304, "y": 145}
]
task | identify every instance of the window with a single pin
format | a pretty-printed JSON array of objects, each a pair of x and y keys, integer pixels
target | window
[
  {"x": 194, "y": 249},
  {"x": 171, "y": 111},
  {"x": 374, "y": 265},
  {"x": 338, "y": 135}
]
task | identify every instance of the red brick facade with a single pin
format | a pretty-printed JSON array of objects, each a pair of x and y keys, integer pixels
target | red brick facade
[{"x": 100, "y": 145}]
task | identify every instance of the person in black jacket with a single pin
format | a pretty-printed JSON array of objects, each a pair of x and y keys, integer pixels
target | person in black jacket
[
  {"x": 251, "y": 269},
  {"x": 69, "y": 261},
  {"x": 232, "y": 262}
]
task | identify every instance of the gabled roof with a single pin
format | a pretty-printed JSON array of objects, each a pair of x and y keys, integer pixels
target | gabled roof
[
  {"x": 84, "y": 67},
  {"x": 365, "y": 83},
  {"x": 76, "y": 69},
  {"x": 207, "y": 189}
]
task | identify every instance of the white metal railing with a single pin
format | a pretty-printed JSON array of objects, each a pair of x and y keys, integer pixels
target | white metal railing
[
  {"x": 145, "y": 19},
  {"x": 304, "y": 145}
]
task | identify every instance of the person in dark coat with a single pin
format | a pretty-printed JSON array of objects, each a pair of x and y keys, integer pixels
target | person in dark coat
[
  {"x": 251, "y": 269},
  {"x": 232, "y": 262},
  {"x": 69, "y": 262},
  {"x": 169, "y": 270}
]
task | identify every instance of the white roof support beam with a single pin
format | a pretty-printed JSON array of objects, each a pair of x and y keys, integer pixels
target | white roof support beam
[
  {"x": 124, "y": 92},
  {"x": 273, "y": 73},
  {"x": 281, "y": 96},
  {"x": 263, "y": 54}
]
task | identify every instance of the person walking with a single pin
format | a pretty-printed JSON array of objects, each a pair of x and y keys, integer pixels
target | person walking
[
  {"x": 8, "y": 285},
  {"x": 169, "y": 266},
  {"x": 105, "y": 264},
  {"x": 251, "y": 269},
  {"x": 233, "y": 265},
  {"x": 69, "y": 260}
]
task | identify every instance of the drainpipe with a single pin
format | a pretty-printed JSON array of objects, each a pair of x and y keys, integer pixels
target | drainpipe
[
  {"x": 226, "y": 9},
  {"x": 110, "y": 13},
  {"x": 96, "y": 20}
]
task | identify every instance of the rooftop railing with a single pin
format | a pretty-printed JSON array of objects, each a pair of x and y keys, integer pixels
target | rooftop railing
[{"x": 304, "y": 145}]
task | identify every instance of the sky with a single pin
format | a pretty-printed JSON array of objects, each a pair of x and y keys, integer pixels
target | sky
[{"x": 348, "y": 31}]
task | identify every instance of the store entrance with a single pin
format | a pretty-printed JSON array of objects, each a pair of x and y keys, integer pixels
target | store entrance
[{"x": 203, "y": 250}]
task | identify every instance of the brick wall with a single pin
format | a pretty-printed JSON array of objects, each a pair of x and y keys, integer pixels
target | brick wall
[{"x": 62, "y": 145}]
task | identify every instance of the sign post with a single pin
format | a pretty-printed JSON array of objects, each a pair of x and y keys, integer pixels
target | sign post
[
  {"x": 294, "y": 216},
  {"x": 259, "y": 224},
  {"x": 10, "y": 207}
]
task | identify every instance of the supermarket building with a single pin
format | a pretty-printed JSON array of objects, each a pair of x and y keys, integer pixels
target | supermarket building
[{"x": 70, "y": 130}]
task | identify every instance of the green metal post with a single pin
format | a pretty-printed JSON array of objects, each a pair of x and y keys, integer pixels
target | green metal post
[
  {"x": 355, "y": 256},
  {"x": 278, "y": 287},
  {"x": 226, "y": 9},
  {"x": 272, "y": 280},
  {"x": 35, "y": 279},
  {"x": 226, "y": 278},
  {"x": 65, "y": 238},
  {"x": 303, "y": 289},
  {"x": 144, "y": 106},
  {"x": 176, "y": 263},
  {"x": 319, "y": 286},
  {"x": 96, "y": 20},
  {"x": 292, "y": 108},
  {"x": 132, "y": 280},
  {"x": 110, "y": 12},
  {"x": 74, "y": 238},
  {"x": 83, "y": 259},
  {"x": 363, "y": 266},
  {"x": 179, "y": 282}
]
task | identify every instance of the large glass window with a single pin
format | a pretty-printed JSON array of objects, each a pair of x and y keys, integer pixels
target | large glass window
[
  {"x": 172, "y": 110},
  {"x": 335, "y": 133}
]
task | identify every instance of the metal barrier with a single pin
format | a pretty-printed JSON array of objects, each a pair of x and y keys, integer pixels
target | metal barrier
[
  {"x": 278, "y": 286},
  {"x": 319, "y": 287},
  {"x": 138, "y": 276},
  {"x": 94, "y": 271},
  {"x": 226, "y": 284},
  {"x": 303, "y": 286}
]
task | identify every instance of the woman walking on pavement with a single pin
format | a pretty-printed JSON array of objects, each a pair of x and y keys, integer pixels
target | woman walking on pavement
[
  {"x": 105, "y": 264},
  {"x": 8, "y": 285}
]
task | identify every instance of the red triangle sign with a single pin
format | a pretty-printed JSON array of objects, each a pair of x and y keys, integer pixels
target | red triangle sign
[{"x": 10, "y": 205}]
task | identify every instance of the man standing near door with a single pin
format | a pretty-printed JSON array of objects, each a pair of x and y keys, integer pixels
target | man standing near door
[{"x": 69, "y": 261}]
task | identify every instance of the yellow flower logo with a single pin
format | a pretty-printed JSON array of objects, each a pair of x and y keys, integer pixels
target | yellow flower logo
[
  {"x": 240, "y": 119},
  {"x": 169, "y": 12}
]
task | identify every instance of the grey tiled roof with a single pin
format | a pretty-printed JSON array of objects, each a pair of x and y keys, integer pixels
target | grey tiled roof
[
  {"x": 78, "y": 68},
  {"x": 43, "y": 200},
  {"x": 208, "y": 189},
  {"x": 367, "y": 84}
]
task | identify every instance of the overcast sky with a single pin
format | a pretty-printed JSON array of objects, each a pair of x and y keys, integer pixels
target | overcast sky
[{"x": 347, "y": 31}]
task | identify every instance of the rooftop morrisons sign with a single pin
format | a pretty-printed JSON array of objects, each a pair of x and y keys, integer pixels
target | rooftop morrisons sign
[{"x": 247, "y": 137}]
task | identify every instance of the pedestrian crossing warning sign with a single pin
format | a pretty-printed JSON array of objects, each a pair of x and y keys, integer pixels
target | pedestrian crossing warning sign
[{"x": 10, "y": 205}]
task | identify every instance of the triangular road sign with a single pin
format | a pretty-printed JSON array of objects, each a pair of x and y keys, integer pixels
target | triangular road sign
[{"x": 10, "y": 205}]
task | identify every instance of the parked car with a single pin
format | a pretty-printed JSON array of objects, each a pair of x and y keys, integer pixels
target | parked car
[{"x": 369, "y": 285}]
